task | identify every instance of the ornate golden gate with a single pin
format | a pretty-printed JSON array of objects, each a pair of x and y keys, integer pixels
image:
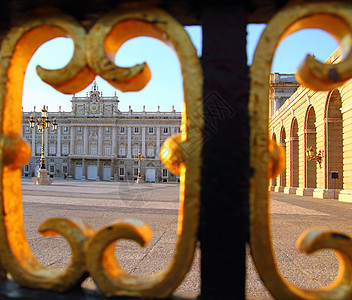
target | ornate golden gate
[{"x": 224, "y": 113}]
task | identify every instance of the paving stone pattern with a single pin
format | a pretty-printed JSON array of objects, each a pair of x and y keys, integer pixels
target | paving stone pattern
[{"x": 100, "y": 203}]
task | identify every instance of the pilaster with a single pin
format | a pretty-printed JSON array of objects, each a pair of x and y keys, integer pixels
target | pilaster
[
  {"x": 85, "y": 140},
  {"x": 157, "y": 142},
  {"x": 46, "y": 142},
  {"x": 100, "y": 139},
  {"x": 72, "y": 140},
  {"x": 143, "y": 140},
  {"x": 33, "y": 142},
  {"x": 58, "y": 144},
  {"x": 129, "y": 141},
  {"x": 113, "y": 141}
]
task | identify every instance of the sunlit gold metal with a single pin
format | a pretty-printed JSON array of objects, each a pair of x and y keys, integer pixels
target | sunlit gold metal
[
  {"x": 43, "y": 122},
  {"x": 311, "y": 155},
  {"x": 276, "y": 159},
  {"x": 335, "y": 18},
  {"x": 93, "y": 55},
  {"x": 139, "y": 157}
]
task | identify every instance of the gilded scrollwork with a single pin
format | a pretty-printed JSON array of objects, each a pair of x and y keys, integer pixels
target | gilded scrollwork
[
  {"x": 93, "y": 55},
  {"x": 335, "y": 18}
]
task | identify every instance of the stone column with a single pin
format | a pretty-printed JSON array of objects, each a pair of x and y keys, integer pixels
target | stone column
[
  {"x": 129, "y": 141},
  {"x": 113, "y": 141},
  {"x": 157, "y": 142},
  {"x": 58, "y": 144},
  {"x": 143, "y": 140},
  {"x": 46, "y": 142},
  {"x": 72, "y": 142},
  {"x": 83, "y": 169},
  {"x": 33, "y": 141},
  {"x": 100, "y": 139},
  {"x": 85, "y": 140}
]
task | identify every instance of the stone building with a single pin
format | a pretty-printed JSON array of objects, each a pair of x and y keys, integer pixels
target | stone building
[
  {"x": 97, "y": 141},
  {"x": 322, "y": 120},
  {"x": 282, "y": 86}
]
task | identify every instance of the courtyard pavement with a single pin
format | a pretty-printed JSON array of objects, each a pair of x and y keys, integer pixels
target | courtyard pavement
[{"x": 100, "y": 203}]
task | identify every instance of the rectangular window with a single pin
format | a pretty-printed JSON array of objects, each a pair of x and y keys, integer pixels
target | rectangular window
[
  {"x": 107, "y": 129},
  {"x": 135, "y": 150},
  {"x": 26, "y": 168},
  {"x": 122, "y": 150},
  {"x": 150, "y": 151},
  {"x": 136, "y": 130},
  {"x": 165, "y": 130},
  {"x": 151, "y": 130},
  {"x": 51, "y": 169},
  {"x": 122, "y": 129},
  {"x": 135, "y": 172},
  {"x": 65, "y": 149},
  {"x": 93, "y": 149},
  {"x": 122, "y": 171},
  {"x": 164, "y": 174},
  {"x": 79, "y": 149},
  {"x": 64, "y": 169},
  {"x": 27, "y": 129},
  {"x": 79, "y": 129},
  {"x": 65, "y": 129},
  {"x": 107, "y": 150},
  {"x": 52, "y": 150},
  {"x": 38, "y": 150}
]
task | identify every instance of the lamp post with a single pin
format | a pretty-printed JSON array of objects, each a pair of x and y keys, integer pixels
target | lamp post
[
  {"x": 42, "y": 123},
  {"x": 310, "y": 153},
  {"x": 139, "y": 157}
]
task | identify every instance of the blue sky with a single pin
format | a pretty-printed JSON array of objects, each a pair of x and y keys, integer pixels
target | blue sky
[{"x": 165, "y": 87}]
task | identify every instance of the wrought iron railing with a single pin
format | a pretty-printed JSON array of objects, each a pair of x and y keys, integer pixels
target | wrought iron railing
[
  {"x": 336, "y": 19},
  {"x": 92, "y": 252}
]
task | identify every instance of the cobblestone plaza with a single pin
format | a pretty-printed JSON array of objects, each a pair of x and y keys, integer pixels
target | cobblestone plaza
[{"x": 100, "y": 203}]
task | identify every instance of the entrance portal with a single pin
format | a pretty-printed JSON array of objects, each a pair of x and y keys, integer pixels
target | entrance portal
[
  {"x": 150, "y": 175},
  {"x": 92, "y": 172}
]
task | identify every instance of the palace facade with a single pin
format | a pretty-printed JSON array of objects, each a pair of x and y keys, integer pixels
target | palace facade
[
  {"x": 97, "y": 141},
  {"x": 323, "y": 121}
]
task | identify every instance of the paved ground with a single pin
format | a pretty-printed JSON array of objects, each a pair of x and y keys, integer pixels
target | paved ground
[
  {"x": 99, "y": 203},
  {"x": 291, "y": 215}
]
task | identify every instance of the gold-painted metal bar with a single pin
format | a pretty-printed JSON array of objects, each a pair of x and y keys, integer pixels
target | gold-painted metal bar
[
  {"x": 93, "y": 56},
  {"x": 335, "y": 18}
]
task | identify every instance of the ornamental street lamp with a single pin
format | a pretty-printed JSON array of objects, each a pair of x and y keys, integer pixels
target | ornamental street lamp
[
  {"x": 42, "y": 123},
  {"x": 310, "y": 153},
  {"x": 139, "y": 157}
]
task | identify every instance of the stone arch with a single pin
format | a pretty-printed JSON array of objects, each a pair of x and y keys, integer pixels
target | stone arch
[
  {"x": 150, "y": 165},
  {"x": 283, "y": 145},
  {"x": 273, "y": 180},
  {"x": 310, "y": 141},
  {"x": 273, "y": 137},
  {"x": 294, "y": 153},
  {"x": 107, "y": 164},
  {"x": 333, "y": 143}
]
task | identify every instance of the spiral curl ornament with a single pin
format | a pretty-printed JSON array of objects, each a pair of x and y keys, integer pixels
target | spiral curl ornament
[
  {"x": 336, "y": 19},
  {"x": 93, "y": 55}
]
